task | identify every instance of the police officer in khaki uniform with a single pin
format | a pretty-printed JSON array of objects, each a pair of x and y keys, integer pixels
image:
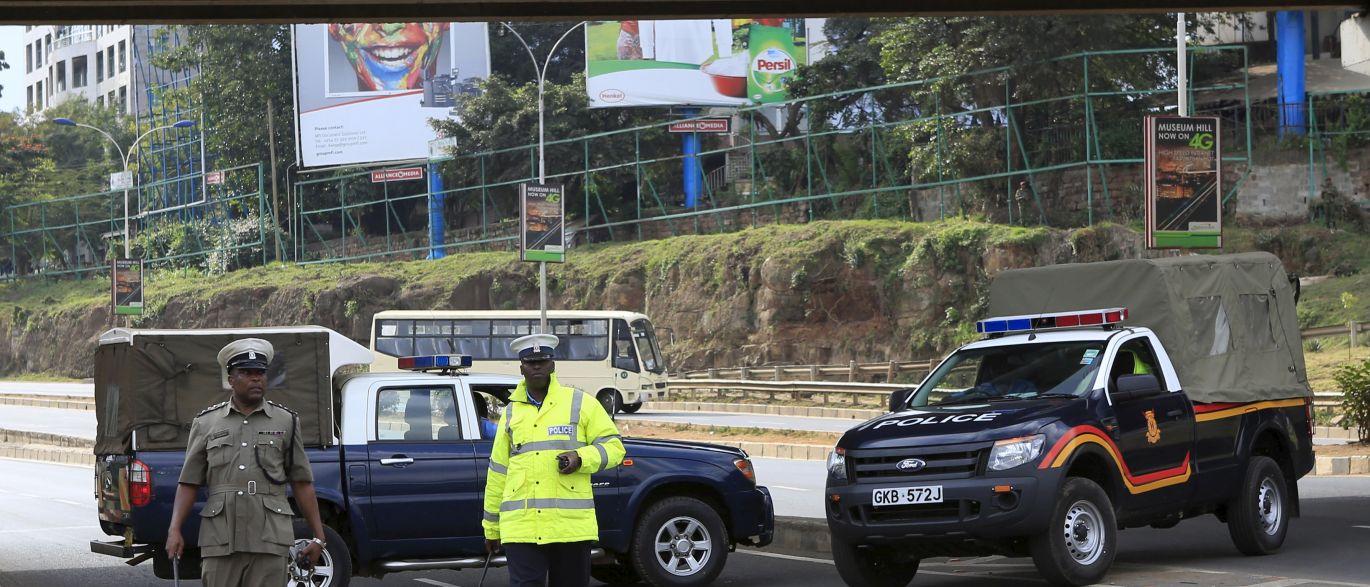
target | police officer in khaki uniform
[{"x": 245, "y": 450}]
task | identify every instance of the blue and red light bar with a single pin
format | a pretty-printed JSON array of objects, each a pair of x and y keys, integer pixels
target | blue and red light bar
[
  {"x": 423, "y": 363},
  {"x": 1007, "y": 324}
]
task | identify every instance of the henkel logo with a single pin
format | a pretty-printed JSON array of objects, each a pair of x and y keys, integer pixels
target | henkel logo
[
  {"x": 773, "y": 60},
  {"x": 612, "y": 95}
]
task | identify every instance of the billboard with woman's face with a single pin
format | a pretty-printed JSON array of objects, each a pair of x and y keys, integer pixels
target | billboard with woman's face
[{"x": 365, "y": 92}]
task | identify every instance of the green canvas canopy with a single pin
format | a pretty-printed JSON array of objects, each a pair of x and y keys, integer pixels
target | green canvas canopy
[
  {"x": 1227, "y": 321},
  {"x": 152, "y": 383}
]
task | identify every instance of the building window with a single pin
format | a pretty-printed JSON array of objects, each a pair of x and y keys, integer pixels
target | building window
[
  {"x": 123, "y": 98},
  {"x": 61, "y": 76},
  {"x": 38, "y": 95},
  {"x": 109, "y": 61},
  {"x": 99, "y": 66},
  {"x": 38, "y": 54},
  {"x": 100, "y": 101},
  {"x": 28, "y": 97},
  {"x": 28, "y": 58},
  {"x": 78, "y": 71},
  {"x": 47, "y": 45},
  {"x": 123, "y": 61}
]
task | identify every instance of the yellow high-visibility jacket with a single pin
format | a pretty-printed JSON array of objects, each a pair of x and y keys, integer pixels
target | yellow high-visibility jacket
[{"x": 526, "y": 499}]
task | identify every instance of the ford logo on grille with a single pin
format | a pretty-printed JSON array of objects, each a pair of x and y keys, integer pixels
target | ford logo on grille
[{"x": 911, "y": 465}]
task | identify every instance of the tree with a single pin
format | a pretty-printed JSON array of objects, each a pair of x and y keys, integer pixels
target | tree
[
  {"x": 508, "y": 58},
  {"x": 504, "y": 115},
  {"x": 239, "y": 68},
  {"x": 3, "y": 66}
]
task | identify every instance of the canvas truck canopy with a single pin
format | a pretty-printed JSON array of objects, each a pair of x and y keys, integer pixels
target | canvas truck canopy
[
  {"x": 153, "y": 382},
  {"x": 1227, "y": 321}
]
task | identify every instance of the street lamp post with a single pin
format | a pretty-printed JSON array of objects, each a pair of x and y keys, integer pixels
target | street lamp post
[
  {"x": 542, "y": 144},
  {"x": 124, "y": 155}
]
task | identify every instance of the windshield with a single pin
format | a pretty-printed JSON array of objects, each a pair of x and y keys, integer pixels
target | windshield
[
  {"x": 647, "y": 347},
  {"x": 1012, "y": 372}
]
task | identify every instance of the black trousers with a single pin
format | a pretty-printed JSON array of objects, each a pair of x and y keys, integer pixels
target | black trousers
[{"x": 530, "y": 565}]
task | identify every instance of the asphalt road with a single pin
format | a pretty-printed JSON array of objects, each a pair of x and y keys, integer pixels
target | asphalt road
[
  {"x": 36, "y": 388},
  {"x": 47, "y": 518},
  {"x": 78, "y": 423}
]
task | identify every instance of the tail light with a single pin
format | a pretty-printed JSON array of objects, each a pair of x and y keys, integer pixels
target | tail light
[
  {"x": 139, "y": 483},
  {"x": 745, "y": 466}
]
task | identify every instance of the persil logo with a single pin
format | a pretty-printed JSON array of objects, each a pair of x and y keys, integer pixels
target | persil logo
[
  {"x": 773, "y": 60},
  {"x": 612, "y": 95}
]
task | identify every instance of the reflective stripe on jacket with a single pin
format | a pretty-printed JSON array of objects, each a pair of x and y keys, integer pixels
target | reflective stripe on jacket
[{"x": 526, "y": 499}]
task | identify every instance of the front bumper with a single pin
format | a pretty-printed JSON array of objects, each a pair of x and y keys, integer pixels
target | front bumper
[
  {"x": 970, "y": 511},
  {"x": 760, "y": 530}
]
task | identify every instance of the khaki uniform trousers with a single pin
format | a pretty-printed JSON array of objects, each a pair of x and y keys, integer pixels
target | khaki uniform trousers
[{"x": 243, "y": 569}]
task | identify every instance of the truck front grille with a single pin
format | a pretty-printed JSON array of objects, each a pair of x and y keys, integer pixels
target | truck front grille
[{"x": 937, "y": 462}]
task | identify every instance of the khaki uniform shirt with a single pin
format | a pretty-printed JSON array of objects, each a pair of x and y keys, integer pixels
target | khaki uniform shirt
[{"x": 244, "y": 512}]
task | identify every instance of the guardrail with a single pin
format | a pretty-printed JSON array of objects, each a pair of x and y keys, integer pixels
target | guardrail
[
  {"x": 853, "y": 372},
  {"x": 850, "y": 393}
]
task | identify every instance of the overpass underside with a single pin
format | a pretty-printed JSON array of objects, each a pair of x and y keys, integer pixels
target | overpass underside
[{"x": 227, "y": 11}]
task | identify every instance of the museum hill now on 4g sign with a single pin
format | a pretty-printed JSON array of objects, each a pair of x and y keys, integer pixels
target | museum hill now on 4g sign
[{"x": 1183, "y": 183}]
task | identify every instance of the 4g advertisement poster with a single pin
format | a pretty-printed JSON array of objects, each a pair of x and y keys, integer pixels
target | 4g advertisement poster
[{"x": 1183, "y": 183}]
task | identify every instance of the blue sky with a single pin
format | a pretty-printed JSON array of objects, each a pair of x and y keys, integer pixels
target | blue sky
[{"x": 12, "y": 44}]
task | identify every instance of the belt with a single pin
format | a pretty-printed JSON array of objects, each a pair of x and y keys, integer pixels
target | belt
[{"x": 252, "y": 488}]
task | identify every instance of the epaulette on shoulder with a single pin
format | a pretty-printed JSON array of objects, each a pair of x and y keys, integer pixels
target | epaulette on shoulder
[
  {"x": 282, "y": 407},
  {"x": 211, "y": 409}
]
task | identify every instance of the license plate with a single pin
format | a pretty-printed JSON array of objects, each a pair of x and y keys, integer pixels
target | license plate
[{"x": 907, "y": 495}]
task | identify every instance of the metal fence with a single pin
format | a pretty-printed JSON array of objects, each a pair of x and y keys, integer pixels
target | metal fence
[
  {"x": 1065, "y": 156},
  {"x": 223, "y": 229}
]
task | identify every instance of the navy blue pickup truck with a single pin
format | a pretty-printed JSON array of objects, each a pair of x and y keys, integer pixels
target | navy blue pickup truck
[{"x": 400, "y": 473}]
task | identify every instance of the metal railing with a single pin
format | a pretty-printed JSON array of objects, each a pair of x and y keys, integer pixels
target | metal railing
[
  {"x": 851, "y": 160},
  {"x": 852, "y": 372}
]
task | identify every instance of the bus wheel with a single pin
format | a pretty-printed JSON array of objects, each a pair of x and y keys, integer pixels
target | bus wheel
[
  {"x": 632, "y": 408},
  {"x": 611, "y": 401}
]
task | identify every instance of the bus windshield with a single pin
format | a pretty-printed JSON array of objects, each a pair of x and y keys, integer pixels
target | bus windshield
[
  {"x": 1021, "y": 371},
  {"x": 647, "y": 347}
]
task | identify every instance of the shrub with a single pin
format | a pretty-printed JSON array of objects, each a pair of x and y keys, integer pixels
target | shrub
[{"x": 1354, "y": 381}]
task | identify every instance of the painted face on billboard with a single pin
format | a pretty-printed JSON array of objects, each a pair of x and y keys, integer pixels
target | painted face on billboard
[{"x": 392, "y": 55}]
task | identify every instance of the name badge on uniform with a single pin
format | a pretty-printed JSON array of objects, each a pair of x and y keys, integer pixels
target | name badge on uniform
[
  {"x": 272, "y": 432},
  {"x": 564, "y": 429},
  {"x": 218, "y": 434}
]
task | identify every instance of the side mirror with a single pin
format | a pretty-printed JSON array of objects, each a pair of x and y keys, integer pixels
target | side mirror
[
  {"x": 899, "y": 397},
  {"x": 1135, "y": 387}
]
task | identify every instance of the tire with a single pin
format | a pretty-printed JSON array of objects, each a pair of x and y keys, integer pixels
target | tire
[
  {"x": 673, "y": 526},
  {"x": 872, "y": 567},
  {"x": 631, "y": 408},
  {"x": 1258, "y": 517},
  {"x": 609, "y": 400},
  {"x": 619, "y": 573},
  {"x": 1082, "y": 537},
  {"x": 335, "y": 565}
]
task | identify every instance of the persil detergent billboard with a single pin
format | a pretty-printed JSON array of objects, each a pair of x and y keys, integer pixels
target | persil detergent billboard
[{"x": 715, "y": 62}]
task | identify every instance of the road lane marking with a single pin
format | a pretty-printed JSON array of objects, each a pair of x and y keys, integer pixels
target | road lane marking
[
  {"x": 1365, "y": 527},
  {"x": 436, "y": 582},
  {"x": 788, "y": 557},
  {"x": 1280, "y": 583},
  {"x": 787, "y": 487}
]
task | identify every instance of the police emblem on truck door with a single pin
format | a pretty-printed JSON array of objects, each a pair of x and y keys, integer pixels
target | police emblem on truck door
[{"x": 1153, "y": 432}]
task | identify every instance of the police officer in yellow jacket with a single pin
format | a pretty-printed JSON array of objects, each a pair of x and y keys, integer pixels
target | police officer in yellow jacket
[{"x": 538, "y": 502}]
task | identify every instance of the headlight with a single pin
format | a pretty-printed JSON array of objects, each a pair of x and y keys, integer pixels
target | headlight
[
  {"x": 1013, "y": 452},
  {"x": 837, "y": 464}
]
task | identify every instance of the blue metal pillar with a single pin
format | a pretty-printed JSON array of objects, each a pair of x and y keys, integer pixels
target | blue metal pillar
[
  {"x": 1289, "y": 47},
  {"x": 690, "y": 148},
  {"x": 435, "y": 222}
]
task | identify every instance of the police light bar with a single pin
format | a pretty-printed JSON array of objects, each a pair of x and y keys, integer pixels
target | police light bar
[
  {"x": 424, "y": 363},
  {"x": 1005, "y": 324}
]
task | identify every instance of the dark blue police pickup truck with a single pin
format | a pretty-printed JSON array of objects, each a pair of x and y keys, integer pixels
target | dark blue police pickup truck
[
  {"x": 1182, "y": 393},
  {"x": 399, "y": 463}
]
